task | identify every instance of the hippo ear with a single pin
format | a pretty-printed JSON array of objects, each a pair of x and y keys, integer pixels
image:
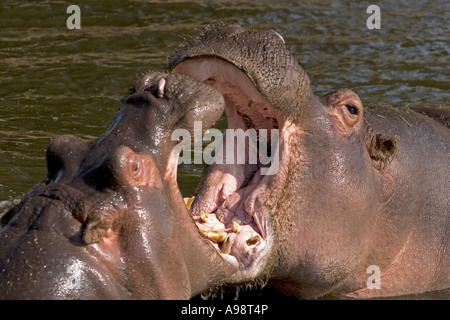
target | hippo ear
[
  {"x": 346, "y": 108},
  {"x": 64, "y": 154},
  {"x": 97, "y": 226},
  {"x": 102, "y": 219},
  {"x": 382, "y": 148}
]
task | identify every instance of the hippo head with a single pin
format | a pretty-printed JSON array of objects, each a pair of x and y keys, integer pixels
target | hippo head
[
  {"x": 264, "y": 88},
  {"x": 109, "y": 221},
  {"x": 277, "y": 223}
]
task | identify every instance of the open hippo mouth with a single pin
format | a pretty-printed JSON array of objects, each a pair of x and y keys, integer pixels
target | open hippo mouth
[
  {"x": 230, "y": 206},
  {"x": 259, "y": 78}
]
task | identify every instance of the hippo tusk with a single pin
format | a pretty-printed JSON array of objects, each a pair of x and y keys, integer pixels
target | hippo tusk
[
  {"x": 226, "y": 248},
  {"x": 188, "y": 202},
  {"x": 252, "y": 240},
  {"x": 236, "y": 226},
  {"x": 217, "y": 236},
  {"x": 161, "y": 86},
  {"x": 213, "y": 235},
  {"x": 203, "y": 216}
]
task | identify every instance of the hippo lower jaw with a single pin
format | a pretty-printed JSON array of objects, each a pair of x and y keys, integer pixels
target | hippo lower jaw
[{"x": 232, "y": 207}]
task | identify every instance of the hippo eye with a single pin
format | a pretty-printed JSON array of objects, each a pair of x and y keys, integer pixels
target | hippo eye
[
  {"x": 352, "y": 109},
  {"x": 136, "y": 166},
  {"x": 137, "y": 170}
]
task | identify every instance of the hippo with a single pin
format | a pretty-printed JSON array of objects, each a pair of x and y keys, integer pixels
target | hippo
[
  {"x": 359, "y": 205},
  {"x": 109, "y": 221}
]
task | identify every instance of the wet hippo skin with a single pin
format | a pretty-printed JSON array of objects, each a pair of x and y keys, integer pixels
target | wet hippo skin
[{"x": 107, "y": 221}]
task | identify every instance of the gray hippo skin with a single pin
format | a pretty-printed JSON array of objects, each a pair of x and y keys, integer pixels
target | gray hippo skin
[
  {"x": 110, "y": 222},
  {"x": 356, "y": 187}
]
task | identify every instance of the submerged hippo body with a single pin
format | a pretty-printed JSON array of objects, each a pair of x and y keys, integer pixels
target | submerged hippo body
[
  {"x": 357, "y": 188},
  {"x": 107, "y": 222}
]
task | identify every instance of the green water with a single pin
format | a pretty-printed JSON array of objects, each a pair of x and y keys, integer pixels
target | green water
[{"x": 59, "y": 81}]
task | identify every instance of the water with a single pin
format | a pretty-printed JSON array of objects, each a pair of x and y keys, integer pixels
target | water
[{"x": 59, "y": 81}]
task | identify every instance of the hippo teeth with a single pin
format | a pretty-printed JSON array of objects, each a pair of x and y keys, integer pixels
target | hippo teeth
[
  {"x": 213, "y": 229},
  {"x": 188, "y": 202},
  {"x": 161, "y": 86},
  {"x": 236, "y": 226},
  {"x": 253, "y": 240},
  {"x": 226, "y": 248},
  {"x": 216, "y": 236}
]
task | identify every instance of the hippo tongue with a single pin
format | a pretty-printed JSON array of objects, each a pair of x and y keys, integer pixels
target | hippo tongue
[{"x": 226, "y": 179}]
